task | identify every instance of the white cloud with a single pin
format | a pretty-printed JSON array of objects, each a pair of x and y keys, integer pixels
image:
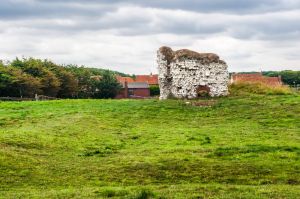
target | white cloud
[{"x": 125, "y": 36}]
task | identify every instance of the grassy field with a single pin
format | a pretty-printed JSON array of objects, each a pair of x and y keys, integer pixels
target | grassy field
[{"x": 238, "y": 147}]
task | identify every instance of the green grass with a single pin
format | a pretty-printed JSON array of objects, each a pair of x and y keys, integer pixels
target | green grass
[{"x": 238, "y": 147}]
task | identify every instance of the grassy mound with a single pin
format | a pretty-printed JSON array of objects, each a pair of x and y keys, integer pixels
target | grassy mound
[
  {"x": 233, "y": 147},
  {"x": 245, "y": 88}
]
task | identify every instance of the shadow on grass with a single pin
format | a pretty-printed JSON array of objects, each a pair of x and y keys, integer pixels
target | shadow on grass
[{"x": 256, "y": 149}]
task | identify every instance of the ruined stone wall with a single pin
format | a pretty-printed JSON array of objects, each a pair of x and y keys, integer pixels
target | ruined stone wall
[{"x": 185, "y": 74}]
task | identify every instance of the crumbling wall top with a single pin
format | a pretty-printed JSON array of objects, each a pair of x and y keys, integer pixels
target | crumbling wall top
[{"x": 182, "y": 54}]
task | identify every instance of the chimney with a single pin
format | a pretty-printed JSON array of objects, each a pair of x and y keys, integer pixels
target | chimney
[{"x": 125, "y": 89}]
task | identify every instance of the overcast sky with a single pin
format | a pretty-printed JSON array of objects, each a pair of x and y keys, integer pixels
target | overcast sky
[{"x": 250, "y": 35}]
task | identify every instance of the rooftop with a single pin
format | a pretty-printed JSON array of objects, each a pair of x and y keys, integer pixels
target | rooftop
[
  {"x": 150, "y": 79},
  {"x": 256, "y": 77},
  {"x": 122, "y": 80}
]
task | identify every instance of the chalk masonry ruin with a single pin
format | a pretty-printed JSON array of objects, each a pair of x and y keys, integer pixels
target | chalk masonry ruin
[{"x": 186, "y": 74}]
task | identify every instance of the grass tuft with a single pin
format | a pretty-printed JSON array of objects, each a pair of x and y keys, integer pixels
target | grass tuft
[
  {"x": 245, "y": 88},
  {"x": 144, "y": 194}
]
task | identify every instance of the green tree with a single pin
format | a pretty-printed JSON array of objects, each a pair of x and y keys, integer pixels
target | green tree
[
  {"x": 15, "y": 83},
  {"x": 27, "y": 76},
  {"x": 5, "y": 80},
  {"x": 26, "y": 84},
  {"x": 288, "y": 77},
  {"x": 84, "y": 82},
  {"x": 50, "y": 84},
  {"x": 107, "y": 87},
  {"x": 69, "y": 84}
]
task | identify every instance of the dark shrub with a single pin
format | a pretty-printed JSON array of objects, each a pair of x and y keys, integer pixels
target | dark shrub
[{"x": 154, "y": 90}]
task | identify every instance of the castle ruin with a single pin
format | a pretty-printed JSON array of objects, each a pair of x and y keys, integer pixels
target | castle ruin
[{"x": 188, "y": 74}]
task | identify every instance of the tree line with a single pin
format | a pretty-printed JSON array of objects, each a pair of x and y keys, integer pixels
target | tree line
[{"x": 29, "y": 76}]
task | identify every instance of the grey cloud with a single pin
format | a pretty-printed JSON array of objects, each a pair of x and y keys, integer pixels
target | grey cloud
[
  {"x": 32, "y": 26},
  {"x": 22, "y": 9},
  {"x": 145, "y": 21},
  {"x": 10, "y": 9},
  {"x": 137, "y": 17}
]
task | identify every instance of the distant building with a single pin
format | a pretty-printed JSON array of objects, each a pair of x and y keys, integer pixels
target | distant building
[
  {"x": 138, "y": 90},
  {"x": 152, "y": 80},
  {"x": 256, "y": 78}
]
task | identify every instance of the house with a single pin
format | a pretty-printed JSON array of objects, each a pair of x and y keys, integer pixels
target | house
[
  {"x": 138, "y": 87},
  {"x": 152, "y": 80},
  {"x": 138, "y": 90},
  {"x": 134, "y": 90},
  {"x": 256, "y": 78}
]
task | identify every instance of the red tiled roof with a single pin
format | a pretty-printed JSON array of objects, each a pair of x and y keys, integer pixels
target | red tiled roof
[
  {"x": 150, "y": 79},
  {"x": 257, "y": 78},
  {"x": 122, "y": 80}
]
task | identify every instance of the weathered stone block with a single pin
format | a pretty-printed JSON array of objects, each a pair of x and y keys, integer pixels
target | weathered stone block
[{"x": 188, "y": 74}]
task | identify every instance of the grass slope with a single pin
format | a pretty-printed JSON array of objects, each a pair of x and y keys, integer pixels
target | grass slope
[{"x": 241, "y": 147}]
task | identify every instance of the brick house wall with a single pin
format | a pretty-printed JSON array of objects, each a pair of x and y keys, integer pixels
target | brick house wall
[
  {"x": 138, "y": 92},
  {"x": 134, "y": 90}
]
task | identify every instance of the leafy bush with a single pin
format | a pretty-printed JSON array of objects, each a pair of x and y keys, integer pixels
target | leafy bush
[
  {"x": 246, "y": 88},
  {"x": 289, "y": 77},
  {"x": 154, "y": 90}
]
